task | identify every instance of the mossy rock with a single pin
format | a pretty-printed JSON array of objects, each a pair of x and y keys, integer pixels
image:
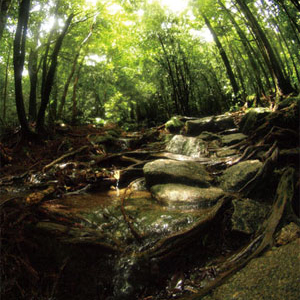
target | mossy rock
[
  {"x": 254, "y": 118},
  {"x": 235, "y": 177},
  {"x": 191, "y": 146},
  {"x": 174, "y": 125}
]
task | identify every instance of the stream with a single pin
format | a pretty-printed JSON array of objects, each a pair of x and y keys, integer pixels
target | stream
[{"x": 160, "y": 222}]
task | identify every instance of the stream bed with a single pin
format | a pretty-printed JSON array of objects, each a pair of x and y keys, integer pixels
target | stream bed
[{"x": 165, "y": 222}]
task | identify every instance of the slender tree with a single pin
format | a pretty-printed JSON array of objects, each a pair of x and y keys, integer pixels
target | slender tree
[
  {"x": 74, "y": 65},
  {"x": 247, "y": 48},
  {"x": 283, "y": 84},
  {"x": 224, "y": 56},
  {"x": 18, "y": 60},
  {"x": 49, "y": 77},
  {"x": 4, "y": 6}
]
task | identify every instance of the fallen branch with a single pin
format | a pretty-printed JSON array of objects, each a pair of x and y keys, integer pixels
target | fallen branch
[{"x": 63, "y": 157}]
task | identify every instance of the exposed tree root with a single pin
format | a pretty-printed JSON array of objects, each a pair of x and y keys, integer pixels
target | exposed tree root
[
  {"x": 171, "y": 245},
  {"x": 264, "y": 172},
  {"x": 138, "y": 236},
  {"x": 264, "y": 239}
]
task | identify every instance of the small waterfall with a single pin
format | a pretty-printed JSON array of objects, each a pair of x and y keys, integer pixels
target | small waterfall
[{"x": 117, "y": 174}]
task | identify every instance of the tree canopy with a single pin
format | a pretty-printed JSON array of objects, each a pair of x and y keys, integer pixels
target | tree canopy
[{"x": 140, "y": 62}]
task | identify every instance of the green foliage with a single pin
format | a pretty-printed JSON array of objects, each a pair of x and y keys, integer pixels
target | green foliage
[{"x": 143, "y": 64}]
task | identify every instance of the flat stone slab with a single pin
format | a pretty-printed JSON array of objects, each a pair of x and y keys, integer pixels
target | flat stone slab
[
  {"x": 212, "y": 124},
  {"x": 183, "y": 195},
  {"x": 190, "y": 146},
  {"x": 231, "y": 139},
  {"x": 171, "y": 171},
  {"x": 235, "y": 177},
  {"x": 274, "y": 276}
]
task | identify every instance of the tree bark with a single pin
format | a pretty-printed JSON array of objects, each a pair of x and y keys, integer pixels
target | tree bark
[
  {"x": 224, "y": 56},
  {"x": 33, "y": 75},
  {"x": 46, "y": 91},
  {"x": 4, "y": 100},
  {"x": 241, "y": 34},
  {"x": 74, "y": 65},
  {"x": 18, "y": 60},
  {"x": 283, "y": 84},
  {"x": 4, "y": 6}
]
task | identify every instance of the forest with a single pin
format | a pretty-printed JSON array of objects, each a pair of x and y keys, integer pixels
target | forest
[{"x": 149, "y": 149}]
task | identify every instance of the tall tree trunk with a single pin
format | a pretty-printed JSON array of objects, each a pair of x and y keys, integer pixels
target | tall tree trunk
[
  {"x": 74, "y": 65},
  {"x": 74, "y": 96},
  {"x": 245, "y": 43},
  {"x": 50, "y": 77},
  {"x": 4, "y": 6},
  {"x": 283, "y": 84},
  {"x": 171, "y": 74},
  {"x": 297, "y": 4},
  {"x": 18, "y": 59},
  {"x": 294, "y": 25},
  {"x": 4, "y": 100},
  {"x": 33, "y": 75},
  {"x": 224, "y": 56}
]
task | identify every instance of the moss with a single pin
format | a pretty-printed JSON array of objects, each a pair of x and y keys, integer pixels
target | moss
[{"x": 174, "y": 125}]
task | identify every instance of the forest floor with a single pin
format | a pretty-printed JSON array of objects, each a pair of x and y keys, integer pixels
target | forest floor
[{"x": 86, "y": 159}]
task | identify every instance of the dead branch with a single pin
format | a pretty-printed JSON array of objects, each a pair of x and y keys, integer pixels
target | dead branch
[{"x": 63, "y": 157}]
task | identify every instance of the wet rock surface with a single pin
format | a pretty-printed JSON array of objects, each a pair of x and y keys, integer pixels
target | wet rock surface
[
  {"x": 172, "y": 171},
  {"x": 162, "y": 219},
  {"x": 179, "y": 195}
]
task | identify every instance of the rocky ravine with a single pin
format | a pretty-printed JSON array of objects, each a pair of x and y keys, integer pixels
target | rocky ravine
[{"x": 187, "y": 217}]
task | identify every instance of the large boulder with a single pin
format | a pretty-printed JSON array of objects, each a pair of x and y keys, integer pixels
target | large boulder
[
  {"x": 179, "y": 195},
  {"x": 212, "y": 124},
  {"x": 253, "y": 119},
  {"x": 235, "y": 177},
  {"x": 171, "y": 171},
  {"x": 190, "y": 146}
]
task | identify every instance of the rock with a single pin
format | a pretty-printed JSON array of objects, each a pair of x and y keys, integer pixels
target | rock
[
  {"x": 235, "y": 177},
  {"x": 183, "y": 195},
  {"x": 288, "y": 234},
  {"x": 138, "y": 184},
  {"x": 232, "y": 139},
  {"x": 253, "y": 119},
  {"x": 275, "y": 275},
  {"x": 190, "y": 146},
  {"x": 174, "y": 125},
  {"x": 212, "y": 124},
  {"x": 109, "y": 142},
  {"x": 226, "y": 152},
  {"x": 171, "y": 171},
  {"x": 208, "y": 136},
  {"x": 248, "y": 215}
]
